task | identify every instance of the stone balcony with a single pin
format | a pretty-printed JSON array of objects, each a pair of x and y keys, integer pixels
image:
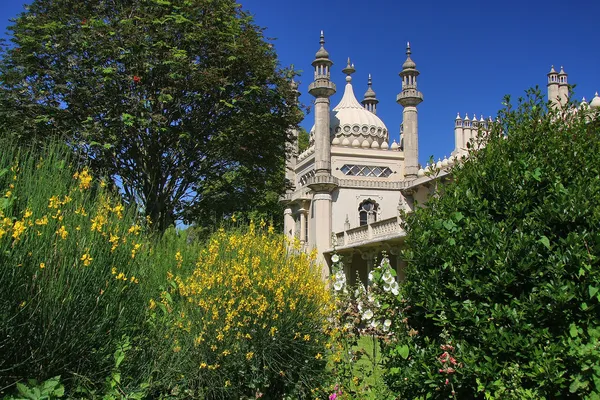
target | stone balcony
[{"x": 379, "y": 231}]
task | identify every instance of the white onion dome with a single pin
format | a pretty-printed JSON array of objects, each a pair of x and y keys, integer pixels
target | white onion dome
[
  {"x": 322, "y": 53},
  {"x": 595, "y": 103},
  {"x": 583, "y": 105},
  {"x": 349, "y": 119},
  {"x": 409, "y": 63},
  {"x": 421, "y": 172}
]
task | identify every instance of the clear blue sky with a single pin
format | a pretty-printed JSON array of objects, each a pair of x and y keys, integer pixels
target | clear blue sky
[{"x": 470, "y": 53}]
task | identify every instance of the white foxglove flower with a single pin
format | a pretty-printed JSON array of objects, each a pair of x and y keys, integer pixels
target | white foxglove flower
[
  {"x": 367, "y": 315},
  {"x": 387, "y": 323},
  {"x": 371, "y": 276},
  {"x": 388, "y": 277},
  {"x": 335, "y": 258},
  {"x": 395, "y": 289}
]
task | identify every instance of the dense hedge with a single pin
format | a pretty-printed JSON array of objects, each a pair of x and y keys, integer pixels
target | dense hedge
[{"x": 502, "y": 285}]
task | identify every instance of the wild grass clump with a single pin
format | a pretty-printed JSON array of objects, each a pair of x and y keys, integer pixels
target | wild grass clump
[
  {"x": 72, "y": 268},
  {"x": 246, "y": 318}
]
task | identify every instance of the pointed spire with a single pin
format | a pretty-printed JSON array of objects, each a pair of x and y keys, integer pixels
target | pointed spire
[
  {"x": 458, "y": 118},
  {"x": 322, "y": 53},
  {"x": 370, "y": 93},
  {"x": 349, "y": 70},
  {"x": 562, "y": 71},
  {"x": 552, "y": 71},
  {"x": 409, "y": 63}
]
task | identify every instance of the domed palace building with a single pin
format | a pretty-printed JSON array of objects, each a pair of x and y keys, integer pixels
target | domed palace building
[{"x": 351, "y": 187}]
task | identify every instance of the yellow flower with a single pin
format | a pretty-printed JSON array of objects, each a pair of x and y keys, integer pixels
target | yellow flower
[
  {"x": 42, "y": 221},
  {"x": 176, "y": 349},
  {"x": 54, "y": 202},
  {"x": 233, "y": 219},
  {"x": 2, "y": 233},
  {"x": 203, "y": 365},
  {"x": 118, "y": 209},
  {"x": 227, "y": 383},
  {"x": 136, "y": 247},
  {"x": 42, "y": 265},
  {"x": 28, "y": 213},
  {"x": 319, "y": 356},
  {"x": 87, "y": 259},
  {"x": 114, "y": 240},
  {"x": 85, "y": 179},
  {"x": 135, "y": 229},
  {"x": 179, "y": 259},
  {"x": 18, "y": 229},
  {"x": 62, "y": 232},
  {"x": 8, "y": 194},
  {"x": 226, "y": 353},
  {"x": 249, "y": 355},
  {"x": 152, "y": 304},
  {"x": 81, "y": 211},
  {"x": 97, "y": 222}
]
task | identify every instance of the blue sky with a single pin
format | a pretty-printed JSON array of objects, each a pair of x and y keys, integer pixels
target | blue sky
[{"x": 470, "y": 53}]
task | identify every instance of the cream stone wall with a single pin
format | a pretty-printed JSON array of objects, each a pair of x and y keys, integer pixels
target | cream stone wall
[{"x": 347, "y": 200}]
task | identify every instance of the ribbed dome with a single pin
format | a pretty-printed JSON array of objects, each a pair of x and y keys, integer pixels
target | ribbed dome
[{"x": 349, "y": 119}]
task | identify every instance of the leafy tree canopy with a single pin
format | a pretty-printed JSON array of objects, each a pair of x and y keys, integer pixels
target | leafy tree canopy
[
  {"x": 502, "y": 286},
  {"x": 181, "y": 102}
]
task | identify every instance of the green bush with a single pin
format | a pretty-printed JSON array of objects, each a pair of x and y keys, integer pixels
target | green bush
[
  {"x": 72, "y": 269},
  {"x": 502, "y": 284}
]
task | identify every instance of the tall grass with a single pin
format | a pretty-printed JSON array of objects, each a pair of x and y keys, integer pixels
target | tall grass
[{"x": 72, "y": 268}]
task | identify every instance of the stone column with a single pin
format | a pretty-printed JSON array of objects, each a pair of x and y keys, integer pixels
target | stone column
[{"x": 288, "y": 223}]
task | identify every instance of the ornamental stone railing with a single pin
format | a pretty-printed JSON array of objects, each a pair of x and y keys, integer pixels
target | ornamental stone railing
[{"x": 372, "y": 231}]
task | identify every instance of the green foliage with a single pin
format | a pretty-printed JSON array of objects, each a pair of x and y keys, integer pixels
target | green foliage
[
  {"x": 48, "y": 390},
  {"x": 503, "y": 268},
  {"x": 303, "y": 140},
  {"x": 181, "y": 102}
]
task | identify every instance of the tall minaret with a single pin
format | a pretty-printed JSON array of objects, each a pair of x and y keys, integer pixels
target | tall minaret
[
  {"x": 322, "y": 89},
  {"x": 370, "y": 101},
  {"x": 323, "y": 183},
  {"x": 553, "y": 86},
  {"x": 410, "y": 98},
  {"x": 458, "y": 136},
  {"x": 563, "y": 87}
]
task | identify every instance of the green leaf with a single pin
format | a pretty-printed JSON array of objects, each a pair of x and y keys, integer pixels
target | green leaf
[
  {"x": 403, "y": 351},
  {"x": 573, "y": 331},
  {"x": 544, "y": 240},
  {"x": 592, "y": 290}
]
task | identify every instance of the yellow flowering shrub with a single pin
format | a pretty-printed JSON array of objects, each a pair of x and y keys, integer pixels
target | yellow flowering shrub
[{"x": 247, "y": 316}]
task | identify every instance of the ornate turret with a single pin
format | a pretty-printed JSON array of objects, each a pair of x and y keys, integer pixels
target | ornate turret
[
  {"x": 563, "y": 86},
  {"x": 553, "y": 86},
  {"x": 410, "y": 98},
  {"x": 458, "y": 135},
  {"x": 370, "y": 101}
]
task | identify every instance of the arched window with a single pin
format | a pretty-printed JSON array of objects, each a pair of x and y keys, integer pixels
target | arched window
[{"x": 367, "y": 212}]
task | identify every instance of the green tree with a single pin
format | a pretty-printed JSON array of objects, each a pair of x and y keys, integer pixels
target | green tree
[
  {"x": 181, "y": 102},
  {"x": 501, "y": 298},
  {"x": 303, "y": 140}
]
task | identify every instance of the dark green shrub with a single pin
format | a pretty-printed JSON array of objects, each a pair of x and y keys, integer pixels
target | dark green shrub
[{"x": 501, "y": 293}]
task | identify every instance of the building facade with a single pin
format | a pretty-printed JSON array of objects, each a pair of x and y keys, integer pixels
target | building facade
[{"x": 351, "y": 187}]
